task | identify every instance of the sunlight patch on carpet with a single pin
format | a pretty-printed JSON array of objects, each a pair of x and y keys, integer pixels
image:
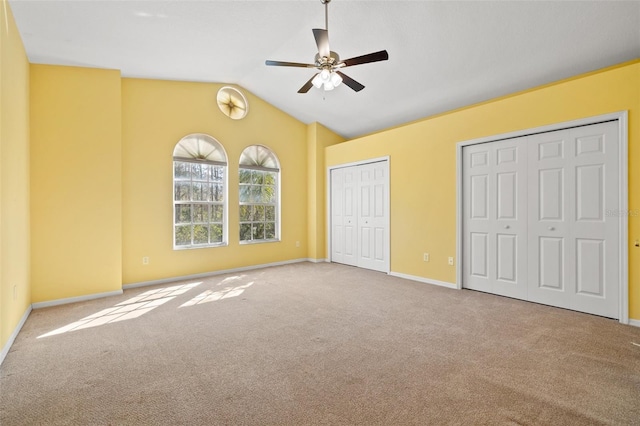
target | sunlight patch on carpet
[
  {"x": 212, "y": 296},
  {"x": 129, "y": 309}
]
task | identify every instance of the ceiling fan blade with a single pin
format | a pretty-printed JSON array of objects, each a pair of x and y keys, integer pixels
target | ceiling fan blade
[
  {"x": 350, "y": 82},
  {"x": 365, "y": 59},
  {"x": 289, "y": 64},
  {"x": 307, "y": 85},
  {"x": 322, "y": 41}
]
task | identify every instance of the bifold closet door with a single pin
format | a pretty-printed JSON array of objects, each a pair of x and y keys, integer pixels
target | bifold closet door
[
  {"x": 535, "y": 222},
  {"x": 573, "y": 242},
  {"x": 360, "y": 216},
  {"x": 495, "y": 218},
  {"x": 372, "y": 220},
  {"x": 344, "y": 218}
]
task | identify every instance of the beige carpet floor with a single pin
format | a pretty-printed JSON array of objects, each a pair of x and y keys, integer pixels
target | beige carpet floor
[{"x": 318, "y": 344}]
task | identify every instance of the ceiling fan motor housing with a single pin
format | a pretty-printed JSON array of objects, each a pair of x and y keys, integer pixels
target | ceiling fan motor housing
[{"x": 327, "y": 62}]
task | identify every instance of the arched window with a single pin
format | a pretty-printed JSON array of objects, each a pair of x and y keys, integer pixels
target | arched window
[
  {"x": 259, "y": 195},
  {"x": 199, "y": 192}
]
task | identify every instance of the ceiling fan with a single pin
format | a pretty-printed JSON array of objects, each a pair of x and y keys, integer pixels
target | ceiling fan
[{"x": 328, "y": 63}]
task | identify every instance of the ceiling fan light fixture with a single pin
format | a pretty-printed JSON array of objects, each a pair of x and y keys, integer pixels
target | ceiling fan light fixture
[
  {"x": 317, "y": 81},
  {"x": 336, "y": 79}
]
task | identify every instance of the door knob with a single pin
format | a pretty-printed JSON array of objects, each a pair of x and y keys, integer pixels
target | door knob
[
  {"x": 506, "y": 227},
  {"x": 551, "y": 228}
]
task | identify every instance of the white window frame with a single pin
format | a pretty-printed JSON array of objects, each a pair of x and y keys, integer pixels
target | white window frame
[
  {"x": 196, "y": 159},
  {"x": 276, "y": 204}
]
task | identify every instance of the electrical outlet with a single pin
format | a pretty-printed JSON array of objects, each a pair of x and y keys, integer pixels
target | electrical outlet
[
  {"x": 297, "y": 243},
  {"x": 450, "y": 260},
  {"x": 145, "y": 260},
  {"x": 425, "y": 257}
]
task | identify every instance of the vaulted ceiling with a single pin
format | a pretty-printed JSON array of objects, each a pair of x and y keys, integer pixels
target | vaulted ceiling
[{"x": 442, "y": 54}]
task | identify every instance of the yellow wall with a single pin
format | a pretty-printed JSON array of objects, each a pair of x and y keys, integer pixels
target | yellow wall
[
  {"x": 75, "y": 182},
  {"x": 15, "y": 291},
  {"x": 318, "y": 138},
  {"x": 156, "y": 115},
  {"x": 423, "y": 163}
]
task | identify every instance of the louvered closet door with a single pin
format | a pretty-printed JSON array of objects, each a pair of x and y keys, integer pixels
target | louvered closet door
[
  {"x": 573, "y": 243},
  {"x": 495, "y": 218}
]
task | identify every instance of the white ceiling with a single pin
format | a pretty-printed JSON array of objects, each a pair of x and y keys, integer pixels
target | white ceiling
[{"x": 442, "y": 54}]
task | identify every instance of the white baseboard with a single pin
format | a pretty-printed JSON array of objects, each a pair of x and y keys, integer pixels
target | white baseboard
[
  {"x": 317, "y": 260},
  {"x": 634, "y": 322},
  {"x": 423, "y": 280},
  {"x": 212, "y": 273},
  {"x": 12, "y": 338},
  {"x": 57, "y": 302}
]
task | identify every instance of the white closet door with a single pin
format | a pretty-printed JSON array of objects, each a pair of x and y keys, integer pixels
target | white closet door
[
  {"x": 573, "y": 243},
  {"x": 343, "y": 216},
  {"x": 360, "y": 216},
  {"x": 535, "y": 222},
  {"x": 372, "y": 217},
  {"x": 495, "y": 218}
]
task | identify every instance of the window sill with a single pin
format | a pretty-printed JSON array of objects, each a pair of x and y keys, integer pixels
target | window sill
[
  {"x": 203, "y": 246},
  {"x": 242, "y": 243}
]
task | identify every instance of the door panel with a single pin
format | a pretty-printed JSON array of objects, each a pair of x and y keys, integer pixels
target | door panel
[{"x": 590, "y": 267}]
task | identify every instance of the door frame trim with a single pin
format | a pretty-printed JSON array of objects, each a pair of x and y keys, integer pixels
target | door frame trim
[
  {"x": 387, "y": 200},
  {"x": 623, "y": 204}
]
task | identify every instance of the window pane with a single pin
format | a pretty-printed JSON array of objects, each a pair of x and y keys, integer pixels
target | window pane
[
  {"x": 200, "y": 213},
  {"x": 183, "y": 235},
  {"x": 258, "y": 231},
  {"x": 200, "y": 234},
  {"x": 268, "y": 194},
  {"x": 217, "y": 191},
  {"x": 258, "y": 213},
  {"x": 181, "y": 170},
  {"x": 216, "y": 213},
  {"x": 270, "y": 178},
  {"x": 244, "y": 193},
  {"x": 183, "y": 213},
  {"x": 245, "y": 213},
  {"x": 198, "y": 191},
  {"x": 257, "y": 176},
  {"x": 245, "y": 232},
  {"x": 199, "y": 171},
  {"x": 256, "y": 193},
  {"x": 270, "y": 230},
  {"x": 182, "y": 191},
  {"x": 217, "y": 174},
  {"x": 270, "y": 213},
  {"x": 215, "y": 231},
  {"x": 245, "y": 176}
]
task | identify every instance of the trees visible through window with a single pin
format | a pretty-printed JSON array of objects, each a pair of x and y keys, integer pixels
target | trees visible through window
[
  {"x": 199, "y": 192},
  {"x": 259, "y": 178}
]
